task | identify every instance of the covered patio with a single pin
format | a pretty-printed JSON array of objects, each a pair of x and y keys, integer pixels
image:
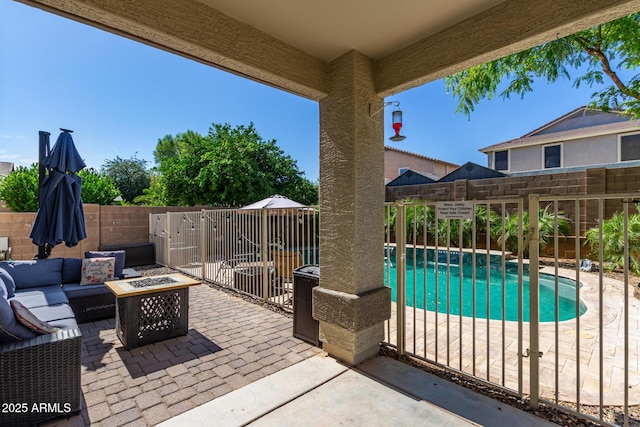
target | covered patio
[{"x": 348, "y": 58}]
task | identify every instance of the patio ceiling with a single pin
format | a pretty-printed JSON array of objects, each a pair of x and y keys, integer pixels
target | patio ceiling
[{"x": 290, "y": 43}]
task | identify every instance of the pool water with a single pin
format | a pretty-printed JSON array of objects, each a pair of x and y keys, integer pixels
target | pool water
[{"x": 420, "y": 276}]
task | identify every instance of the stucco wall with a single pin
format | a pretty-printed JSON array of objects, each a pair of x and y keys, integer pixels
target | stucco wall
[
  {"x": 394, "y": 160},
  {"x": 525, "y": 159},
  {"x": 597, "y": 150},
  {"x": 591, "y": 151}
]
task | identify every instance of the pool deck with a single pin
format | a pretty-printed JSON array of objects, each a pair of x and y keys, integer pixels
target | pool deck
[{"x": 499, "y": 341}]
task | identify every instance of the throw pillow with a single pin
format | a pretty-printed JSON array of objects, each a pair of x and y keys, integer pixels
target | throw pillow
[
  {"x": 29, "y": 320},
  {"x": 8, "y": 282},
  {"x": 97, "y": 270},
  {"x": 10, "y": 329},
  {"x": 118, "y": 255}
]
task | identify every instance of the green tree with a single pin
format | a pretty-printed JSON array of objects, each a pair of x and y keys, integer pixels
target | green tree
[
  {"x": 228, "y": 167},
  {"x": 19, "y": 189},
  {"x": 592, "y": 52},
  {"x": 154, "y": 195},
  {"x": 178, "y": 161},
  {"x": 129, "y": 175},
  {"x": 97, "y": 188},
  {"x": 613, "y": 241},
  {"x": 302, "y": 190}
]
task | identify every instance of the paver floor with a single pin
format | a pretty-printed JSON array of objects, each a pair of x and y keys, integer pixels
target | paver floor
[{"x": 231, "y": 343}]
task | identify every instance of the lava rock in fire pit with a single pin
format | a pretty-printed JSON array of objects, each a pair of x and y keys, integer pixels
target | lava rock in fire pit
[{"x": 152, "y": 281}]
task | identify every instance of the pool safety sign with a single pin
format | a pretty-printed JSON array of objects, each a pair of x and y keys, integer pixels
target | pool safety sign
[{"x": 455, "y": 210}]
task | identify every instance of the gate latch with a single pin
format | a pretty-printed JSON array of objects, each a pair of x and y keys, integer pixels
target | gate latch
[{"x": 527, "y": 353}]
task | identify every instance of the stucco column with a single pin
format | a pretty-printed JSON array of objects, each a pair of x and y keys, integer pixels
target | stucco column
[{"x": 351, "y": 302}]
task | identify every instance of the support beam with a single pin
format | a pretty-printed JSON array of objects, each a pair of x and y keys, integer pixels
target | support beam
[
  {"x": 351, "y": 302},
  {"x": 507, "y": 28},
  {"x": 199, "y": 32}
]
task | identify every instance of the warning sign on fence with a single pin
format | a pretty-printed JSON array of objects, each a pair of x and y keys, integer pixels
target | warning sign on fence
[{"x": 455, "y": 210}]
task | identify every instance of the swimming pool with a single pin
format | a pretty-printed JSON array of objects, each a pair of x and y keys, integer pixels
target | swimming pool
[{"x": 420, "y": 276}]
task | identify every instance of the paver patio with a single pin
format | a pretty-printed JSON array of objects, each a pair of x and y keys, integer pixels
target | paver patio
[{"x": 231, "y": 343}]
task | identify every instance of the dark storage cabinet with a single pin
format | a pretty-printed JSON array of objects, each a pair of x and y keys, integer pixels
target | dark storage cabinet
[{"x": 305, "y": 327}]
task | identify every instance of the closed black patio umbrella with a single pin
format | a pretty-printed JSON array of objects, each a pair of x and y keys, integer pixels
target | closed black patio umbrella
[{"x": 60, "y": 215}]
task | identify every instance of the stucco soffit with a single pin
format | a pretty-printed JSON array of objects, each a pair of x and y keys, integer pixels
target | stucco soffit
[
  {"x": 199, "y": 32},
  {"x": 506, "y": 28}
]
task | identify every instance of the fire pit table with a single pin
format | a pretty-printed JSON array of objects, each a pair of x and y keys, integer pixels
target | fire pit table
[{"x": 151, "y": 309}]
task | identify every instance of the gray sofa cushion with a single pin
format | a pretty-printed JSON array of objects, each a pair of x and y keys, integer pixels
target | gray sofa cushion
[
  {"x": 76, "y": 290},
  {"x": 41, "y": 296},
  {"x": 64, "y": 324},
  {"x": 31, "y": 274},
  {"x": 50, "y": 313},
  {"x": 71, "y": 270},
  {"x": 8, "y": 282},
  {"x": 10, "y": 329}
]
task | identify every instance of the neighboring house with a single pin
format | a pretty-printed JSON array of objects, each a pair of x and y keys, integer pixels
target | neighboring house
[
  {"x": 468, "y": 171},
  {"x": 411, "y": 177},
  {"x": 581, "y": 138},
  {"x": 397, "y": 161},
  {"x": 5, "y": 168},
  {"x": 471, "y": 171}
]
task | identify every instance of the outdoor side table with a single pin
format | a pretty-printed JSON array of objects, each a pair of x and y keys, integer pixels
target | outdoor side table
[{"x": 151, "y": 309}]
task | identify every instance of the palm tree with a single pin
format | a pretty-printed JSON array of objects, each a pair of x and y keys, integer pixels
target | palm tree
[
  {"x": 613, "y": 241},
  {"x": 546, "y": 229}
]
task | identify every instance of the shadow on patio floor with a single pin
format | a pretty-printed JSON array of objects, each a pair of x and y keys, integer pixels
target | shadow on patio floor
[{"x": 230, "y": 343}]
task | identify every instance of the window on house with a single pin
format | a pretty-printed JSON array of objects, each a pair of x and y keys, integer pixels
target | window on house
[
  {"x": 552, "y": 156},
  {"x": 402, "y": 170},
  {"x": 501, "y": 160},
  {"x": 630, "y": 147}
]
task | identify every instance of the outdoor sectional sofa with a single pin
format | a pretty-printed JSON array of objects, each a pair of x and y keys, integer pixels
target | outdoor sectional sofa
[{"x": 40, "y": 375}]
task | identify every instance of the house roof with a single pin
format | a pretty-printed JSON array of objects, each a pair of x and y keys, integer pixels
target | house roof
[
  {"x": 5, "y": 168},
  {"x": 471, "y": 171},
  {"x": 545, "y": 133},
  {"x": 433, "y": 159},
  {"x": 411, "y": 177}
]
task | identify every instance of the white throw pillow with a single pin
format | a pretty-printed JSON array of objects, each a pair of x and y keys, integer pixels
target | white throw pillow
[{"x": 97, "y": 270}]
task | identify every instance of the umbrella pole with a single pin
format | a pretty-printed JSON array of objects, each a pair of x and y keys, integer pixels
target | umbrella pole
[{"x": 43, "y": 152}]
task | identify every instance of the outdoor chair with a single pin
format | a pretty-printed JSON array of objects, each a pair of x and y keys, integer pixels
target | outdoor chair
[{"x": 284, "y": 262}]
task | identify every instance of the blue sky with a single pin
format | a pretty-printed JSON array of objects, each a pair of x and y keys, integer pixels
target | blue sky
[{"x": 120, "y": 97}]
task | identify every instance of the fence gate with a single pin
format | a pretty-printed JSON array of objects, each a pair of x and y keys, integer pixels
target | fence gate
[
  {"x": 488, "y": 289},
  {"x": 251, "y": 251}
]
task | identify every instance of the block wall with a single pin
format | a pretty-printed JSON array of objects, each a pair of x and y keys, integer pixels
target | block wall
[
  {"x": 106, "y": 225},
  {"x": 592, "y": 182}
]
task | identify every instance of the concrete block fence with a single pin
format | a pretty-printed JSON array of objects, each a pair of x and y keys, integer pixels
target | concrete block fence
[
  {"x": 586, "y": 182},
  {"x": 106, "y": 225}
]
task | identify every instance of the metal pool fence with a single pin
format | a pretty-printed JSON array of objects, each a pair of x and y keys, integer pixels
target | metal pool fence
[
  {"x": 251, "y": 251},
  {"x": 588, "y": 365},
  {"x": 480, "y": 316}
]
